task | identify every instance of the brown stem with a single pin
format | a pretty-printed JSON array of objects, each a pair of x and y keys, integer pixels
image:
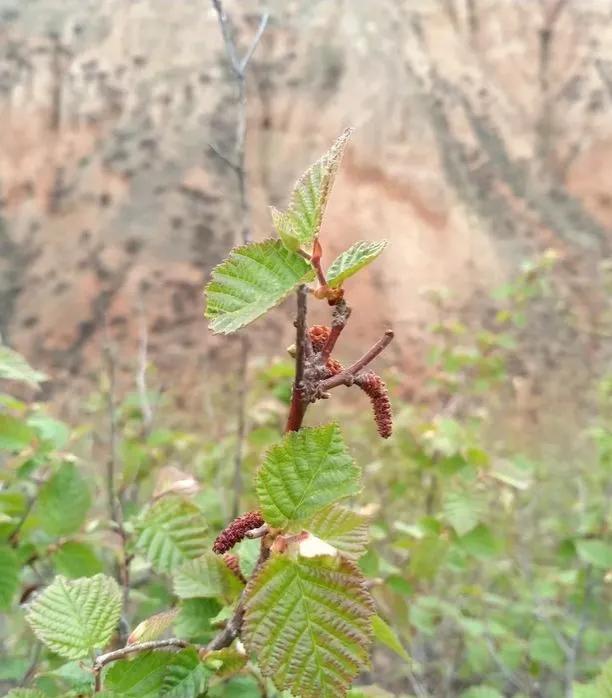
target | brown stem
[
  {"x": 340, "y": 317},
  {"x": 297, "y": 409},
  {"x": 347, "y": 376}
]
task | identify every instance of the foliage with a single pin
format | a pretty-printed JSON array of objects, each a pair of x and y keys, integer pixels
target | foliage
[{"x": 489, "y": 569}]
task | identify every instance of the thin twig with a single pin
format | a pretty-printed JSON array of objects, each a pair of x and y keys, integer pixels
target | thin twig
[
  {"x": 114, "y": 504},
  {"x": 104, "y": 659},
  {"x": 347, "y": 376},
  {"x": 141, "y": 374},
  {"x": 340, "y": 316},
  {"x": 237, "y": 163}
]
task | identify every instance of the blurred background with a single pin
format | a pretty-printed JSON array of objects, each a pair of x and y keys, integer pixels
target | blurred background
[{"x": 482, "y": 152}]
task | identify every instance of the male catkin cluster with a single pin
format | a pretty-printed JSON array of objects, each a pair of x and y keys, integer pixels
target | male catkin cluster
[
  {"x": 371, "y": 384},
  {"x": 236, "y": 531}
]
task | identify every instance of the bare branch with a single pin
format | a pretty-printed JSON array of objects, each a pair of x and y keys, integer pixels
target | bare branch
[
  {"x": 298, "y": 404},
  {"x": 263, "y": 23},
  {"x": 232, "y": 165},
  {"x": 141, "y": 375},
  {"x": 228, "y": 37}
]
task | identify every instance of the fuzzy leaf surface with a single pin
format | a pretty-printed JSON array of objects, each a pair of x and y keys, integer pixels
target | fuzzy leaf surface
[
  {"x": 172, "y": 531},
  {"x": 353, "y": 260},
  {"x": 253, "y": 279},
  {"x": 304, "y": 473},
  {"x": 346, "y": 530},
  {"x": 206, "y": 577},
  {"x": 308, "y": 620},
  {"x": 153, "y": 628},
  {"x": 301, "y": 222},
  {"x": 74, "y": 617}
]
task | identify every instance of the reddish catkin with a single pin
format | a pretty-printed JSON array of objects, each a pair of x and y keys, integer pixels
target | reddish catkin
[
  {"x": 375, "y": 388},
  {"x": 319, "y": 334},
  {"x": 236, "y": 531},
  {"x": 233, "y": 564}
]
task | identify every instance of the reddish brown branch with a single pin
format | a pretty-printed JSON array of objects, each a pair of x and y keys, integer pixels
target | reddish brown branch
[
  {"x": 341, "y": 315},
  {"x": 347, "y": 377},
  {"x": 298, "y": 405}
]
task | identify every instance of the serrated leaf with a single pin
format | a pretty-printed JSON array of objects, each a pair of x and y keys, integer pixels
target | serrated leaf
[
  {"x": 253, "y": 279},
  {"x": 206, "y": 577},
  {"x": 74, "y": 559},
  {"x": 194, "y": 621},
  {"x": 463, "y": 510},
  {"x": 9, "y": 576},
  {"x": 14, "y": 433},
  {"x": 308, "y": 620},
  {"x": 75, "y": 617},
  {"x": 63, "y": 501},
  {"x": 306, "y": 472},
  {"x": 14, "y": 367},
  {"x": 154, "y": 627},
  {"x": 353, "y": 260},
  {"x": 346, "y": 530},
  {"x": 596, "y": 552},
  {"x": 186, "y": 676},
  {"x": 301, "y": 222},
  {"x": 385, "y": 634},
  {"x": 172, "y": 531}
]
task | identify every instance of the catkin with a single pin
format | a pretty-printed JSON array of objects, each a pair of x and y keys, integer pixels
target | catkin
[
  {"x": 376, "y": 389},
  {"x": 236, "y": 531}
]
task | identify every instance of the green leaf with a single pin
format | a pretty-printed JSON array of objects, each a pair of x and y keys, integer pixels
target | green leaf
[
  {"x": 14, "y": 367},
  {"x": 14, "y": 433},
  {"x": 481, "y": 692},
  {"x": 253, "y": 279},
  {"x": 186, "y": 676},
  {"x": 154, "y": 627},
  {"x": 479, "y": 542},
  {"x": 206, "y": 577},
  {"x": 307, "y": 471},
  {"x": 385, "y": 634},
  {"x": 353, "y": 260},
  {"x": 346, "y": 530},
  {"x": 193, "y": 622},
  {"x": 75, "y": 617},
  {"x": 604, "y": 680},
  {"x": 139, "y": 677},
  {"x": 595, "y": 552},
  {"x": 227, "y": 661},
  {"x": 172, "y": 531},
  {"x": 463, "y": 510},
  {"x": 308, "y": 620},
  {"x": 63, "y": 501},
  {"x": 25, "y": 693},
  {"x": 301, "y": 222},
  {"x": 73, "y": 559},
  {"x": 9, "y": 576},
  {"x": 51, "y": 430},
  {"x": 544, "y": 649}
]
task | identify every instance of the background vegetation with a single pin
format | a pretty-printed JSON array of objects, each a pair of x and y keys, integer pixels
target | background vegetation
[{"x": 481, "y": 154}]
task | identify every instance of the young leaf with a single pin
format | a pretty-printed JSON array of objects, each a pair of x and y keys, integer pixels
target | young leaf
[
  {"x": 172, "y": 531},
  {"x": 14, "y": 367},
  {"x": 308, "y": 620},
  {"x": 74, "y": 617},
  {"x": 153, "y": 628},
  {"x": 301, "y": 222},
  {"x": 353, "y": 260},
  {"x": 385, "y": 634},
  {"x": 253, "y": 279},
  {"x": 63, "y": 501},
  {"x": 206, "y": 577},
  {"x": 346, "y": 530},
  {"x": 307, "y": 471},
  {"x": 9, "y": 576},
  {"x": 226, "y": 662}
]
